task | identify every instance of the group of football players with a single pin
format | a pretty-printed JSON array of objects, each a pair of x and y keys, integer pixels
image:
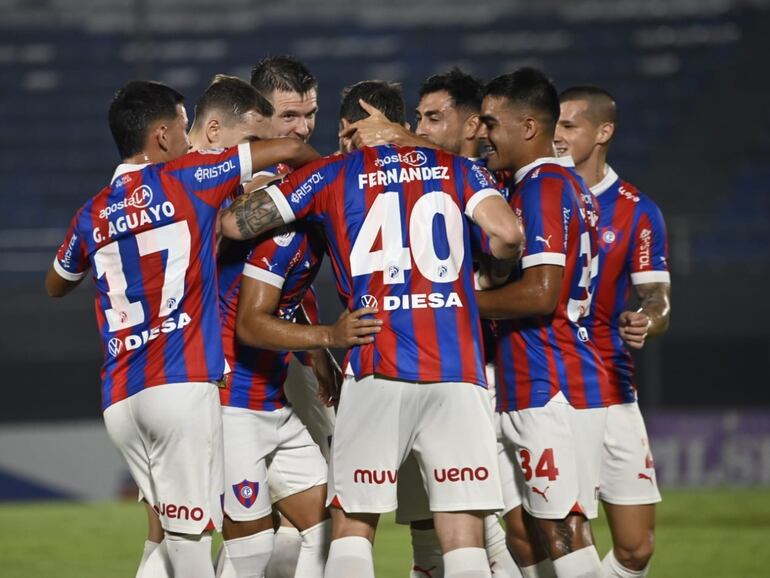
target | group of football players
[{"x": 485, "y": 263}]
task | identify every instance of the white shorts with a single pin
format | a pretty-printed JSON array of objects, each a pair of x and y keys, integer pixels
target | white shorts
[
  {"x": 269, "y": 456},
  {"x": 301, "y": 388},
  {"x": 171, "y": 437},
  {"x": 554, "y": 478},
  {"x": 412, "y": 496},
  {"x": 627, "y": 470},
  {"x": 510, "y": 474},
  {"x": 448, "y": 426}
]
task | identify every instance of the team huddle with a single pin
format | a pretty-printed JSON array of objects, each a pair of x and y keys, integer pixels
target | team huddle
[{"x": 485, "y": 263}]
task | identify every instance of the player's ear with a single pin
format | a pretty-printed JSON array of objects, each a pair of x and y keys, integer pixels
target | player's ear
[
  {"x": 530, "y": 128},
  {"x": 407, "y": 126},
  {"x": 605, "y": 133},
  {"x": 212, "y": 131},
  {"x": 159, "y": 133},
  {"x": 471, "y": 127}
]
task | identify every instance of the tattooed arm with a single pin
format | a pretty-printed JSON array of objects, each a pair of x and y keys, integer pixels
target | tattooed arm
[{"x": 249, "y": 215}]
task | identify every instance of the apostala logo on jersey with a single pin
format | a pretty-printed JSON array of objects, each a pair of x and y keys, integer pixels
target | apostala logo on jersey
[
  {"x": 116, "y": 345},
  {"x": 413, "y": 159},
  {"x": 205, "y": 173},
  {"x": 140, "y": 198}
]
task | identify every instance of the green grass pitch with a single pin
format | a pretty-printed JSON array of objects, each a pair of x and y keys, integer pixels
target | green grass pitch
[{"x": 700, "y": 534}]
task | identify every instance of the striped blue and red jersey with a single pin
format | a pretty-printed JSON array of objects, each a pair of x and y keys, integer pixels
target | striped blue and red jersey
[
  {"x": 288, "y": 261},
  {"x": 633, "y": 250},
  {"x": 398, "y": 238},
  {"x": 149, "y": 238},
  {"x": 539, "y": 356}
]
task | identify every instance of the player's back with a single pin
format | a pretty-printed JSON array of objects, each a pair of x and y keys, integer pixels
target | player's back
[
  {"x": 399, "y": 240},
  {"x": 149, "y": 238},
  {"x": 632, "y": 250},
  {"x": 540, "y": 356}
]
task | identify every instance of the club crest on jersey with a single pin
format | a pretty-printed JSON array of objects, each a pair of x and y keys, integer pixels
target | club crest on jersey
[
  {"x": 246, "y": 492},
  {"x": 608, "y": 236},
  {"x": 284, "y": 239},
  {"x": 369, "y": 301}
]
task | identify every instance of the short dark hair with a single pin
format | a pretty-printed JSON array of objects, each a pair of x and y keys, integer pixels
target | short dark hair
[
  {"x": 466, "y": 91},
  {"x": 135, "y": 107},
  {"x": 284, "y": 73},
  {"x": 232, "y": 96},
  {"x": 601, "y": 104},
  {"x": 385, "y": 96},
  {"x": 530, "y": 88}
]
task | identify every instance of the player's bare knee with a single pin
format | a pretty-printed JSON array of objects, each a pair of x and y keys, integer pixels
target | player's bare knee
[
  {"x": 637, "y": 557},
  {"x": 232, "y": 529}
]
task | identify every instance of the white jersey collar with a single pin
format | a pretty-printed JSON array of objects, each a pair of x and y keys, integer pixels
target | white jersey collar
[
  {"x": 124, "y": 168},
  {"x": 561, "y": 161},
  {"x": 610, "y": 177}
]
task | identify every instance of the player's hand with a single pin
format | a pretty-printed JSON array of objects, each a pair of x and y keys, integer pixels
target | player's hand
[
  {"x": 329, "y": 375},
  {"x": 633, "y": 327},
  {"x": 261, "y": 181},
  {"x": 354, "y": 328},
  {"x": 374, "y": 130}
]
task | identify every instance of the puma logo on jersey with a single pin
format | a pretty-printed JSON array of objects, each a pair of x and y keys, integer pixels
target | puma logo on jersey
[
  {"x": 540, "y": 492},
  {"x": 424, "y": 571},
  {"x": 268, "y": 264},
  {"x": 546, "y": 241},
  {"x": 643, "y": 476}
]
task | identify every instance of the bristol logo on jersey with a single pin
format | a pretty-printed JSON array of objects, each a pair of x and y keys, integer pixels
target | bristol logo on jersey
[{"x": 246, "y": 492}]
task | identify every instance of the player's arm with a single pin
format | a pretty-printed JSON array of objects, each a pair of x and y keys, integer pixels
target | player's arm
[
  {"x": 535, "y": 293},
  {"x": 325, "y": 368},
  {"x": 258, "y": 326},
  {"x": 376, "y": 129},
  {"x": 58, "y": 286},
  {"x": 506, "y": 235},
  {"x": 290, "y": 151},
  {"x": 651, "y": 318}
]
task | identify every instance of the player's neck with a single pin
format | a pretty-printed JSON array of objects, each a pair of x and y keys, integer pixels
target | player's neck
[
  {"x": 199, "y": 141},
  {"x": 592, "y": 169},
  {"x": 470, "y": 149}
]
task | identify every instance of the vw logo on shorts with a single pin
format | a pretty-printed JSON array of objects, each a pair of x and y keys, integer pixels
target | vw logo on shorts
[{"x": 369, "y": 301}]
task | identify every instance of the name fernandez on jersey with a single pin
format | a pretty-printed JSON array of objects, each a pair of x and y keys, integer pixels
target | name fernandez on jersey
[{"x": 402, "y": 175}]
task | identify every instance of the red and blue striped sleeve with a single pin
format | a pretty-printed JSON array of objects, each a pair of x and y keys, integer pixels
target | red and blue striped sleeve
[
  {"x": 545, "y": 216},
  {"x": 649, "y": 251},
  {"x": 213, "y": 175},
  {"x": 272, "y": 260},
  {"x": 71, "y": 262}
]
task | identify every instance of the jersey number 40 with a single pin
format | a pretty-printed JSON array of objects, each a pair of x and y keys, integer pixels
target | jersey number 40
[{"x": 384, "y": 218}]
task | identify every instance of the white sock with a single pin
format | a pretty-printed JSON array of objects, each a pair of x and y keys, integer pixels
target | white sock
[
  {"x": 149, "y": 546},
  {"x": 283, "y": 562},
  {"x": 190, "y": 555},
  {"x": 543, "y": 569},
  {"x": 223, "y": 568},
  {"x": 614, "y": 569},
  {"x": 351, "y": 556},
  {"x": 583, "y": 563},
  {"x": 466, "y": 563},
  {"x": 314, "y": 550},
  {"x": 500, "y": 560},
  {"x": 249, "y": 555},
  {"x": 426, "y": 555},
  {"x": 157, "y": 564}
]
